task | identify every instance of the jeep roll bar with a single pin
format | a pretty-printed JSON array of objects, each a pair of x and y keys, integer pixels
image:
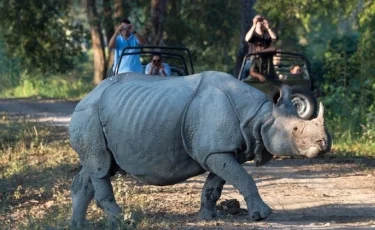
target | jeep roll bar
[{"x": 150, "y": 50}]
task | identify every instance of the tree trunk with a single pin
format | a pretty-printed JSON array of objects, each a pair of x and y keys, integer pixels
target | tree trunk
[
  {"x": 100, "y": 67},
  {"x": 155, "y": 26},
  {"x": 248, "y": 13},
  {"x": 108, "y": 24},
  {"x": 109, "y": 28}
]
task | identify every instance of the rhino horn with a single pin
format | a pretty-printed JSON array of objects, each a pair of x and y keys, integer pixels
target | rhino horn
[{"x": 321, "y": 112}]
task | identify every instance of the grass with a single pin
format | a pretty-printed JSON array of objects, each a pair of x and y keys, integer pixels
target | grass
[
  {"x": 348, "y": 141},
  {"x": 37, "y": 166},
  {"x": 73, "y": 84},
  {"x": 35, "y": 173},
  {"x": 55, "y": 86}
]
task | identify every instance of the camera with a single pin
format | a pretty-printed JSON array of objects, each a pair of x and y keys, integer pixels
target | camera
[
  {"x": 260, "y": 19},
  {"x": 125, "y": 28}
]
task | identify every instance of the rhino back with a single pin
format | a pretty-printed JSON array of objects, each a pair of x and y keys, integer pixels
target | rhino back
[{"x": 141, "y": 119}]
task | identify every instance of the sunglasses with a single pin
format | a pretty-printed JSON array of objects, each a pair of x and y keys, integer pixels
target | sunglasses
[{"x": 156, "y": 60}]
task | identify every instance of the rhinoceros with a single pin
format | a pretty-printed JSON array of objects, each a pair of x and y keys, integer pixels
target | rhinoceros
[{"x": 164, "y": 130}]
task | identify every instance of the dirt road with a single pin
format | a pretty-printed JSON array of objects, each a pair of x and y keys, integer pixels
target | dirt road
[
  {"x": 325, "y": 193},
  {"x": 51, "y": 112}
]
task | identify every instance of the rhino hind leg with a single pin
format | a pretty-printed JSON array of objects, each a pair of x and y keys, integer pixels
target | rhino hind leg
[
  {"x": 211, "y": 193},
  {"x": 82, "y": 193},
  {"x": 226, "y": 166},
  {"x": 105, "y": 198}
]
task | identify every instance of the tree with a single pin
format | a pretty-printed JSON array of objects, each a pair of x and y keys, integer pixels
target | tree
[
  {"x": 209, "y": 29},
  {"x": 155, "y": 27},
  {"x": 100, "y": 65},
  {"x": 41, "y": 34},
  {"x": 247, "y": 14},
  {"x": 109, "y": 27}
]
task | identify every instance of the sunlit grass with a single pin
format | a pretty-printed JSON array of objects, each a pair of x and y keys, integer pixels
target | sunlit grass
[
  {"x": 35, "y": 173},
  {"x": 37, "y": 166},
  {"x": 56, "y": 86},
  {"x": 349, "y": 142},
  {"x": 73, "y": 84}
]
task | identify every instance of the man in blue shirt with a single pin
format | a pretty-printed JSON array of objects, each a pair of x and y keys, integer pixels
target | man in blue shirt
[{"x": 126, "y": 36}]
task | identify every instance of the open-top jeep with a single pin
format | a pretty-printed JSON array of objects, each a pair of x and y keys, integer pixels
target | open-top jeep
[
  {"x": 276, "y": 67},
  {"x": 178, "y": 58}
]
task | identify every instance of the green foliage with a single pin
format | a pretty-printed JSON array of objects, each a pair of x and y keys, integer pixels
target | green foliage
[
  {"x": 56, "y": 86},
  {"x": 9, "y": 69},
  {"x": 212, "y": 37},
  {"x": 40, "y": 34},
  {"x": 209, "y": 29},
  {"x": 18, "y": 82}
]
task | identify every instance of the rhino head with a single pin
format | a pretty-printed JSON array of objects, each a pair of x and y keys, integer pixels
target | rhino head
[{"x": 285, "y": 133}]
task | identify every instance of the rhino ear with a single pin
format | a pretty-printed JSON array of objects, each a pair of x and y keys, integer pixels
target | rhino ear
[
  {"x": 280, "y": 94},
  {"x": 274, "y": 94},
  {"x": 286, "y": 93}
]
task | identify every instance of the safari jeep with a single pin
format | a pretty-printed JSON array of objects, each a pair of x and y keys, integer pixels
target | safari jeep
[
  {"x": 178, "y": 58},
  {"x": 277, "y": 69}
]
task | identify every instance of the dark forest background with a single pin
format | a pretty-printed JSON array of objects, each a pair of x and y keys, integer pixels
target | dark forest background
[{"x": 57, "y": 49}]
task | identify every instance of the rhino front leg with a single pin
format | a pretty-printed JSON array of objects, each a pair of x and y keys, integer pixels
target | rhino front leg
[
  {"x": 106, "y": 199},
  {"x": 82, "y": 193},
  {"x": 227, "y": 167},
  {"x": 210, "y": 195}
]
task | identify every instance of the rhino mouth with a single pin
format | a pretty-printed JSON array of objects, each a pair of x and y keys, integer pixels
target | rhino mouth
[{"x": 311, "y": 152}]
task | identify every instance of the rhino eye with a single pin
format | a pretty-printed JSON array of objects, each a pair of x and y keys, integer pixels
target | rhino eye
[{"x": 295, "y": 129}]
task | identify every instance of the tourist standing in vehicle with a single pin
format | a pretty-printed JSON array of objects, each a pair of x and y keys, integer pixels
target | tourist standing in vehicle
[
  {"x": 260, "y": 34},
  {"x": 126, "y": 36},
  {"x": 158, "y": 67},
  {"x": 260, "y": 37}
]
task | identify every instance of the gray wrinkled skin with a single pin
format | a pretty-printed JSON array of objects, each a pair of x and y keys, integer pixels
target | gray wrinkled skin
[{"x": 166, "y": 130}]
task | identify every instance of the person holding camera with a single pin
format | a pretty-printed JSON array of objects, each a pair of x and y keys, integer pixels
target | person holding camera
[
  {"x": 260, "y": 34},
  {"x": 260, "y": 37},
  {"x": 126, "y": 36},
  {"x": 158, "y": 67}
]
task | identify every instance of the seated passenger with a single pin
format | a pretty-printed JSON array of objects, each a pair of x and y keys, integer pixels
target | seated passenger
[
  {"x": 258, "y": 65},
  {"x": 157, "y": 67},
  {"x": 295, "y": 69},
  {"x": 246, "y": 68}
]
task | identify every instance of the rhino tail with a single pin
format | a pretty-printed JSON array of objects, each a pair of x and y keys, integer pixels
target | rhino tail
[{"x": 87, "y": 139}]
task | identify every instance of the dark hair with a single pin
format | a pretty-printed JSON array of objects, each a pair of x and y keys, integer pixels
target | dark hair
[
  {"x": 157, "y": 54},
  {"x": 293, "y": 66},
  {"x": 126, "y": 21}
]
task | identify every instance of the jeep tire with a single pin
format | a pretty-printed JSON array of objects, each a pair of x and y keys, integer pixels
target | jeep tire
[{"x": 304, "y": 101}]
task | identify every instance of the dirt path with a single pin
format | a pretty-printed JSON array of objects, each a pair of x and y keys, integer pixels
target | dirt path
[
  {"x": 329, "y": 193},
  {"x": 51, "y": 112}
]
